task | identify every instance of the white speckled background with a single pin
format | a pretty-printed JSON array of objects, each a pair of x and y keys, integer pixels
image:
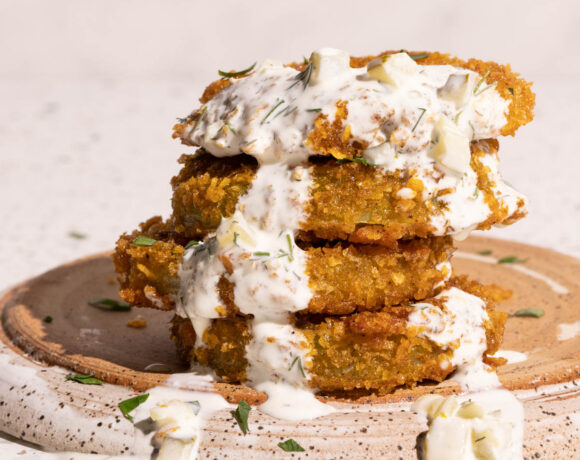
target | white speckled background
[{"x": 89, "y": 92}]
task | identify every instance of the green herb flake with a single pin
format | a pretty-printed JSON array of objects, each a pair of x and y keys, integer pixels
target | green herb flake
[
  {"x": 480, "y": 82},
  {"x": 418, "y": 56},
  {"x": 290, "y": 446},
  {"x": 314, "y": 110},
  {"x": 529, "y": 313},
  {"x": 47, "y": 319},
  {"x": 191, "y": 244},
  {"x": 480, "y": 439},
  {"x": 278, "y": 104},
  {"x": 77, "y": 235},
  {"x": 486, "y": 88},
  {"x": 236, "y": 74},
  {"x": 110, "y": 304},
  {"x": 261, "y": 254},
  {"x": 88, "y": 379},
  {"x": 198, "y": 121},
  {"x": 511, "y": 260},
  {"x": 290, "y": 248},
  {"x": 511, "y": 90},
  {"x": 236, "y": 234},
  {"x": 183, "y": 120},
  {"x": 230, "y": 127},
  {"x": 303, "y": 76},
  {"x": 485, "y": 252},
  {"x": 144, "y": 241},
  {"x": 195, "y": 406},
  {"x": 129, "y": 405},
  {"x": 476, "y": 192},
  {"x": 361, "y": 160},
  {"x": 418, "y": 119},
  {"x": 241, "y": 415},
  {"x": 298, "y": 360}
]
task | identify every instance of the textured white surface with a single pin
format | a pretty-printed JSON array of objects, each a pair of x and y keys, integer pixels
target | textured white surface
[{"x": 89, "y": 92}]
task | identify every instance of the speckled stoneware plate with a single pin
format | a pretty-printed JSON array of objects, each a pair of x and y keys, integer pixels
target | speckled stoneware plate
[{"x": 39, "y": 405}]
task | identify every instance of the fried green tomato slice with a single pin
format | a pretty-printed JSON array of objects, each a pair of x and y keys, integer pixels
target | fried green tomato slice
[
  {"x": 343, "y": 277},
  {"x": 347, "y": 201},
  {"x": 369, "y": 352}
]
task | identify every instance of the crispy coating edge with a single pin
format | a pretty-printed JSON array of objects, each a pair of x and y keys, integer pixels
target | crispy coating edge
[
  {"x": 343, "y": 277},
  {"x": 374, "y": 352}
]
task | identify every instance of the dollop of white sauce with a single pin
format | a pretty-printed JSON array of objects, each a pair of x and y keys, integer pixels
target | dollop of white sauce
[
  {"x": 270, "y": 112},
  {"x": 459, "y": 326},
  {"x": 479, "y": 426},
  {"x": 511, "y": 356},
  {"x": 568, "y": 331}
]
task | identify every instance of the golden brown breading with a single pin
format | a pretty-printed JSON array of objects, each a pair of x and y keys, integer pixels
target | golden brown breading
[
  {"x": 350, "y": 201},
  {"x": 509, "y": 85},
  {"x": 343, "y": 277},
  {"x": 363, "y": 351}
]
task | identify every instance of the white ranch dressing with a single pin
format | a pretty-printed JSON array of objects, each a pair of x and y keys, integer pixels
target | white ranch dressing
[
  {"x": 568, "y": 331},
  {"x": 270, "y": 113},
  {"x": 458, "y": 326},
  {"x": 270, "y": 281},
  {"x": 511, "y": 356}
]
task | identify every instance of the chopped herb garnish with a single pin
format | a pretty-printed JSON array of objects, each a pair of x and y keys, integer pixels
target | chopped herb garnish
[
  {"x": 230, "y": 127},
  {"x": 314, "y": 110},
  {"x": 110, "y": 304},
  {"x": 47, "y": 319},
  {"x": 416, "y": 57},
  {"x": 476, "y": 192},
  {"x": 303, "y": 76},
  {"x": 261, "y": 254},
  {"x": 198, "y": 121},
  {"x": 129, "y": 405},
  {"x": 195, "y": 406},
  {"x": 511, "y": 260},
  {"x": 418, "y": 119},
  {"x": 511, "y": 90},
  {"x": 480, "y": 82},
  {"x": 485, "y": 252},
  {"x": 361, "y": 160},
  {"x": 529, "y": 312},
  {"x": 191, "y": 244},
  {"x": 241, "y": 415},
  {"x": 77, "y": 235},
  {"x": 480, "y": 439},
  {"x": 486, "y": 88},
  {"x": 278, "y": 104},
  {"x": 456, "y": 119},
  {"x": 305, "y": 60},
  {"x": 290, "y": 446},
  {"x": 290, "y": 248},
  {"x": 89, "y": 379},
  {"x": 236, "y": 234},
  {"x": 292, "y": 110},
  {"x": 144, "y": 241},
  {"x": 299, "y": 361},
  {"x": 236, "y": 74}
]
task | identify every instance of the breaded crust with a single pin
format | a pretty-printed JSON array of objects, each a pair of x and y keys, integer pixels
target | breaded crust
[
  {"x": 367, "y": 351},
  {"x": 509, "y": 85},
  {"x": 349, "y": 201},
  {"x": 343, "y": 277}
]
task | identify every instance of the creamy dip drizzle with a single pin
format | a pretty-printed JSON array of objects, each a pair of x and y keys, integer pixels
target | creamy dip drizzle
[
  {"x": 555, "y": 286},
  {"x": 270, "y": 113}
]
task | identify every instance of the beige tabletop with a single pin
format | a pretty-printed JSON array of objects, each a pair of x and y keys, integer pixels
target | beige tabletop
[{"x": 89, "y": 92}]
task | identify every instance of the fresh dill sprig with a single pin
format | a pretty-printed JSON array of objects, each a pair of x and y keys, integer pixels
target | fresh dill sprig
[
  {"x": 201, "y": 115},
  {"x": 261, "y": 254},
  {"x": 418, "y": 119},
  {"x": 486, "y": 88},
  {"x": 290, "y": 248},
  {"x": 299, "y": 361},
  {"x": 278, "y": 104},
  {"x": 480, "y": 82},
  {"x": 303, "y": 76},
  {"x": 314, "y": 110},
  {"x": 236, "y": 74}
]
